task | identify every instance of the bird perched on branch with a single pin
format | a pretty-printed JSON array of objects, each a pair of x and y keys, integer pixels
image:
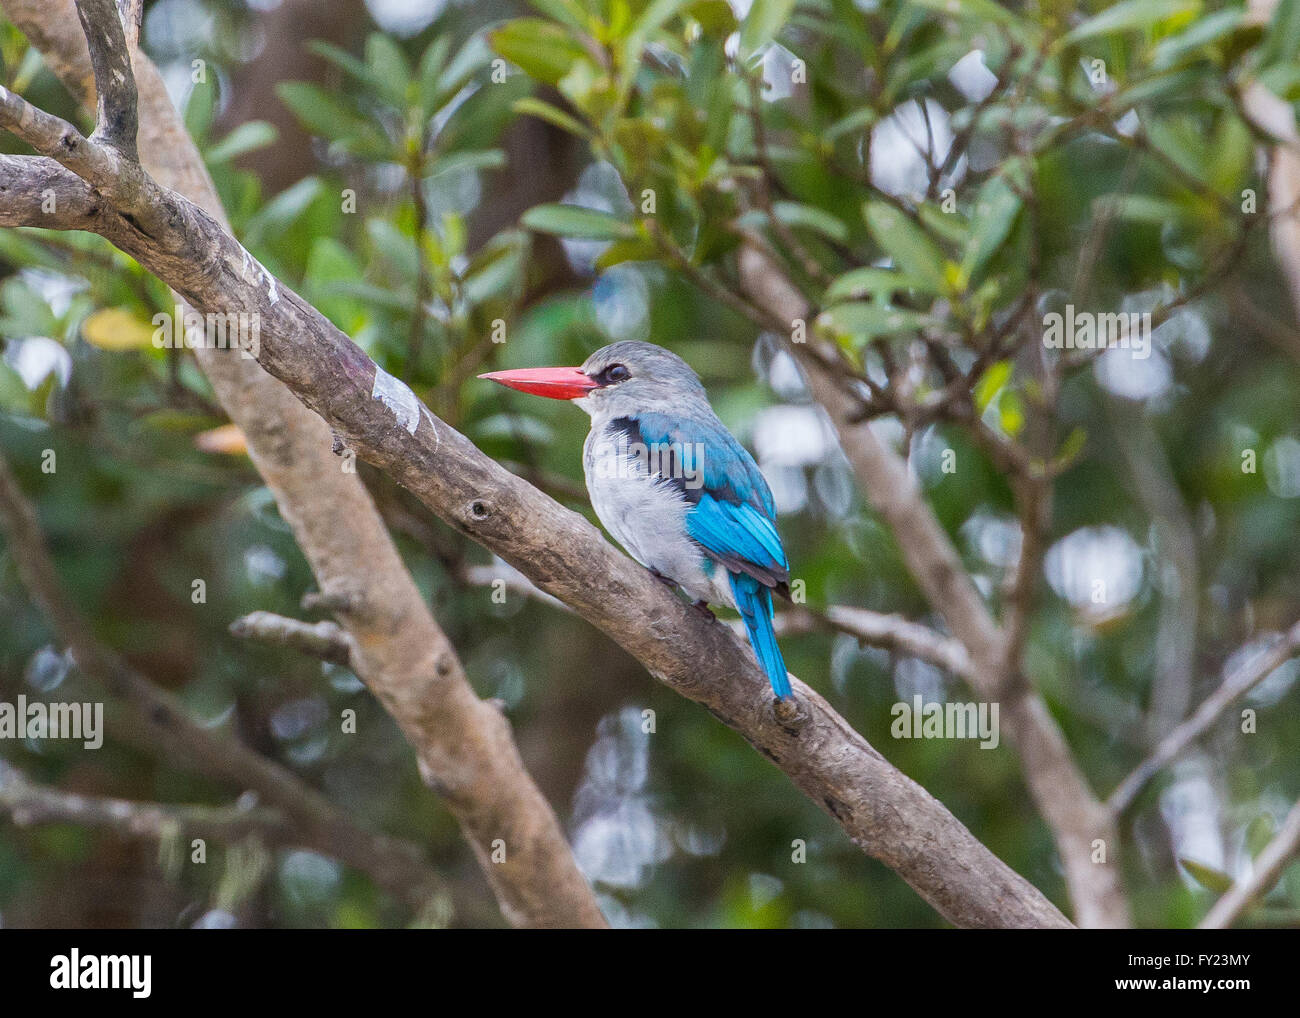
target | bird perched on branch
[{"x": 673, "y": 486}]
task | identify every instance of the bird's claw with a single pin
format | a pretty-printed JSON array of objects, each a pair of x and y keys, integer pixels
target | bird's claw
[
  {"x": 663, "y": 579},
  {"x": 703, "y": 608},
  {"x": 790, "y": 713}
]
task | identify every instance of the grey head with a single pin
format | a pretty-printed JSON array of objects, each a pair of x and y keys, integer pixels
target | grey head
[{"x": 633, "y": 376}]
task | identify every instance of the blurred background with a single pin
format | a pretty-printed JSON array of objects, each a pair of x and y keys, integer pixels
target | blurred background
[{"x": 367, "y": 155}]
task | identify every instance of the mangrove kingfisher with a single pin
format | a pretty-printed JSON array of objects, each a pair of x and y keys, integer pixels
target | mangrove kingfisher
[{"x": 673, "y": 486}]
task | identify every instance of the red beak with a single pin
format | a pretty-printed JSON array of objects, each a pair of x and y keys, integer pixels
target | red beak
[{"x": 554, "y": 383}]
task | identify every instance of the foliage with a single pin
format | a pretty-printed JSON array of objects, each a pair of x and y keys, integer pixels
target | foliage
[{"x": 937, "y": 178}]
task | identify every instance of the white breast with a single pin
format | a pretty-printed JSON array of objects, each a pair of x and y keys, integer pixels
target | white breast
[{"x": 647, "y": 516}]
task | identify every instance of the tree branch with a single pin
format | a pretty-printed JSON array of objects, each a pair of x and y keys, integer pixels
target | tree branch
[
  {"x": 115, "y": 119},
  {"x": 325, "y": 640},
  {"x": 884, "y": 812},
  {"x": 28, "y": 804},
  {"x": 1245, "y": 678},
  {"x": 393, "y": 864},
  {"x": 1269, "y": 866},
  {"x": 1062, "y": 795},
  {"x": 464, "y": 746},
  {"x": 874, "y": 629}
]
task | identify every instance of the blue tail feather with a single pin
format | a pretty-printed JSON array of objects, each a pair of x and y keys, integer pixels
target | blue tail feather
[{"x": 754, "y": 602}]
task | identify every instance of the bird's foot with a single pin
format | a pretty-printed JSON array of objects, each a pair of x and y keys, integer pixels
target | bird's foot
[
  {"x": 703, "y": 608},
  {"x": 790, "y": 714},
  {"x": 663, "y": 579}
]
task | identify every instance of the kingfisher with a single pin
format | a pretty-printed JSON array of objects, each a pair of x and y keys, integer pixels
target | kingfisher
[{"x": 672, "y": 484}]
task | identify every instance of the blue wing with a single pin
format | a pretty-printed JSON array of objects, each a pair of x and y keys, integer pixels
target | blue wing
[
  {"x": 733, "y": 519},
  {"x": 733, "y": 516}
]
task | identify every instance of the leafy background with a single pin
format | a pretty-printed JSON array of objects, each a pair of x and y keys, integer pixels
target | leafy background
[{"x": 427, "y": 173}]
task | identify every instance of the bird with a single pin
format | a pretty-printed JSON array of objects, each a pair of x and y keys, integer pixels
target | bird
[{"x": 673, "y": 486}]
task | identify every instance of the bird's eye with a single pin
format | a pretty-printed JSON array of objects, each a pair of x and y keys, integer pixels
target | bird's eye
[{"x": 616, "y": 373}]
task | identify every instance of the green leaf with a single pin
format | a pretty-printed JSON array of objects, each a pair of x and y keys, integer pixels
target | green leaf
[
  {"x": 460, "y": 162},
  {"x": 568, "y": 12},
  {"x": 807, "y": 217},
  {"x": 579, "y": 222},
  {"x": 1129, "y": 16},
  {"x": 551, "y": 114},
  {"x": 996, "y": 208},
  {"x": 344, "y": 61},
  {"x": 715, "y": 16},
  {"x": 1011, "y": 413},
  {"x": 1207, "y": 876},
  {"x": 1259, "y": 832},
  {"x": 974, "y": 10},
  {"x": 634, "y": 249},
  {"x": 542, "y": 50},
  {"x": 389, "y": 69},
  {"x": 945, "y": 227},
  {"x": 326, "y": 116},
  {"x": 1173, "y": 84},
  {"x": 1282, "y": 42},
  {"x": 657, "y": 14},
  {"x": 1138, "y": 208},
  {"x": 992, "y": 382},
  {"x": 907, "y": 244},
  {"x": 432, "y": 63},
  {"x": 851, "y": 123},
  {"x": 247, "y": 137},
  {"x": 1200, "y": 33},
  {"x": 869, "y": 281},
  {"x": 762, "y": 24},
  {"x": 498, "y": 267},
  {"x": 1180, "y": 139},
  {"x": 468, "y": 61},
  {"x": 395, "y": 247},
  {"x": 284, "y": 209},
  {"x": 199, "y": 110},
  {"x": 859, "y": 320}
]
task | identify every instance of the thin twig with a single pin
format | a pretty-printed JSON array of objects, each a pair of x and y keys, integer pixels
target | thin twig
[
  {"x": 1246, "y": 677},
  {"x": 1268, "y": 868}
]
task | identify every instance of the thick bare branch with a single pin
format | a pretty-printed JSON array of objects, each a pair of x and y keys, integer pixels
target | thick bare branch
[
  {"x": 875, "y": 629},
  {"x": 60, "y": 140},
  {"x": 116, "y": 116},
  {"x": 464, "y": 746},
  {"x": 883, "y": 811}
]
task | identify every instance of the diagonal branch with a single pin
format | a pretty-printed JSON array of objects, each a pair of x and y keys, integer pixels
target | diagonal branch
[
  {"x": 1077, "y": 819},
  {"x": 874, "y": 629},
  {"x": 464, "y": 746},
  {"x": 884, "y": 812},
  {"x": 1241, "y": 681},
  {"x": 1269, "y": 866}
]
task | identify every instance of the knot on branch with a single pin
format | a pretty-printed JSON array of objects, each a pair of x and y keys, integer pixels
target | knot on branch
[{"x": 790, "y": 714}]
